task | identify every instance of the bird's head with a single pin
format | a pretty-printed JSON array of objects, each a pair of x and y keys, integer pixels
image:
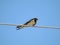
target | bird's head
[{"x": 35, "y": 18}]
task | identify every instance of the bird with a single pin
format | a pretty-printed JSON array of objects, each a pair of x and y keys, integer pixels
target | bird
[{"x": 31, "y": 22}]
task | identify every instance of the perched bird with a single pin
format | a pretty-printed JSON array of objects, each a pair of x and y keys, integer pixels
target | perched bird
[{"x": 31, "y": 22}]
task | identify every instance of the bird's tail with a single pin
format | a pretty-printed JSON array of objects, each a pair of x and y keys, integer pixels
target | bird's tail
[{"x": 19, "y": 27}]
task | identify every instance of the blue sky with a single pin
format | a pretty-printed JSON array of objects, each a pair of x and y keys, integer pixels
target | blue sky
[{"x": 19, "y": 12}]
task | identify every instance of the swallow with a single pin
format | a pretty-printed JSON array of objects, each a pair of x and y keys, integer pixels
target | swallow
[{"x": 31, "y": 22}]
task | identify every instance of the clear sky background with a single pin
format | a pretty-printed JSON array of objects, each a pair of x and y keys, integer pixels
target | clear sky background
[{"x": 19, "y": 12}]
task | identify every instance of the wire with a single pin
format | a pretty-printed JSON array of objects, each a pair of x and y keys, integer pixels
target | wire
[
  {"x": 51, "y": 27},
  {"x": 9, "y": 24}
]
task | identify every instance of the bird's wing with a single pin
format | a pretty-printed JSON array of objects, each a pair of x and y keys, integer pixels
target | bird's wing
[{"x": 30, "y": 23}]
